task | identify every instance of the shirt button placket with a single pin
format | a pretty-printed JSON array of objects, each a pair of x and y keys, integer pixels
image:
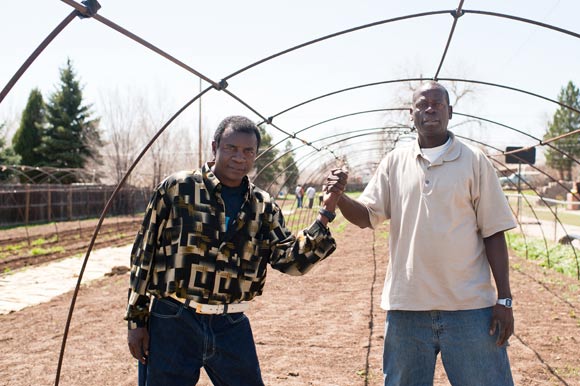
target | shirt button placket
[{"x": 428, "y": 181}]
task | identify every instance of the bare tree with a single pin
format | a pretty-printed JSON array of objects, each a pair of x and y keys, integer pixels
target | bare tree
[
  {"x": 157, "y": 157},
  {"x": 131, "y": 119},
  {"x": 119, "y": 119},
  {"x": 175, "y": 149}
]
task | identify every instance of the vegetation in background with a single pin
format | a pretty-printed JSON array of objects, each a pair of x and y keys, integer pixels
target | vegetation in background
[
  {"x": 563, "y": 122},
  {"x": 7, "y": 155},
  {"x": 561, "y": 257},
  {"x": 45, "y": 251},
  {"x": 289, "y": 166},
  {"x": 71, "y": 137},
  {"x": 274, "y": 171},
  {"x": 28, "y": 136},
  {"x": 263, "y": 179}
]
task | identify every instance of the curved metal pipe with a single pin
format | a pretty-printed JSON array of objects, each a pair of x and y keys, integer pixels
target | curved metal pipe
[
  {"x": 66, "y": 21},
  {"x": 456, "y": 15},
  {"x": 326, "y": 37},
  {"x": 100, "y": 222}
]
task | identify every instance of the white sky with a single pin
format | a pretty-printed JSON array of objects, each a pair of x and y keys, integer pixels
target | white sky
[{"x": 218, "y": 38}]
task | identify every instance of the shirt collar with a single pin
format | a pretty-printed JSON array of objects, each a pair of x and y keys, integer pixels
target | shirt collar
[
  {"x": 451, "y": 154},
  {"x": 213, "y": 183}
]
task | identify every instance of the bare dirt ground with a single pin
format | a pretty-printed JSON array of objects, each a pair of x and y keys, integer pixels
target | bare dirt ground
[{"x": 325, "y": 328}]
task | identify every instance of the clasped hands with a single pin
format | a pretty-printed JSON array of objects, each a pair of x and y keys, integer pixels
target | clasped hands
[{"x": 334, "y": 187}]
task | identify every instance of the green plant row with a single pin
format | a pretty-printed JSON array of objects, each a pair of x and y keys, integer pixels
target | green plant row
[{"x": 558, "y": 257}]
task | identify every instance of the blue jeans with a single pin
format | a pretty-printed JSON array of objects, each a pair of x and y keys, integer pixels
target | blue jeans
[
  {"x": 182, "y": 342},
  {"x": 298, "y": 202},
  {"x": 413, "y": 339}
]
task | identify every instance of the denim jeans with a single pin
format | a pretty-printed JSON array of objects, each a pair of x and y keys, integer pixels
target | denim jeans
[
  {"x": 299, "y": 202},
  {"x": 413, "y": 339},
  {"x": 182, "y": 342}
]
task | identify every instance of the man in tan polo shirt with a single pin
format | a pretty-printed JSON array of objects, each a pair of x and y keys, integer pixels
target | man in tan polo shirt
[{"x": 447, "y": 217}]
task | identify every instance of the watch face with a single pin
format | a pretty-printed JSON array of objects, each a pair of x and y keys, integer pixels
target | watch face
[{"x": 507, "y": 302}]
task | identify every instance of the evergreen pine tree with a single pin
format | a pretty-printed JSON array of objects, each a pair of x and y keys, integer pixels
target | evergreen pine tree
[
  {"x": 71, "y": 136},
  {"x": 265, "y": 178},
  {"x": 289, "y": 165},
  {"x": 7, "y": 157},
  {"x": 565, "y": 121},
  {"x": 27, "y": 137}
]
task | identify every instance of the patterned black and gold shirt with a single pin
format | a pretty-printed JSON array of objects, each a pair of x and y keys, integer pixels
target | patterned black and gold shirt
[{"x": 183, "y": 246}]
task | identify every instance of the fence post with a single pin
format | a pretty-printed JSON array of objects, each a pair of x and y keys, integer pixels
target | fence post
[
  {"x": 27, "y": 205},
  {"x": 70, "y": 216},
  {"x": 27, "y": 213},
  {"x": 49, "y": 205},
  {"x": 104, "y": 197},
  {"x": 556, "y": 223}
]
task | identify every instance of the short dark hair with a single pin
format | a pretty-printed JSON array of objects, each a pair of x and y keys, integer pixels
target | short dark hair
[
  {"x": 237, "y": 123},
  {"x": 433, "y": 84}
]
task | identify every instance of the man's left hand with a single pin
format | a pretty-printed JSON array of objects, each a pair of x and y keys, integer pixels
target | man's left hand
[{"x": 502, "y": 319}]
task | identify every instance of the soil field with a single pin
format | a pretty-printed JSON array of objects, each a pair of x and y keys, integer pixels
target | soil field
[
  {"x": 21, "y": 247},
  {"x": 324, "y": 328}
]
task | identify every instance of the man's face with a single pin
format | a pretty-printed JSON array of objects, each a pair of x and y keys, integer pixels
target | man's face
[
  {"x": 431, "y": 113},
  {"x": 234, "y": 157}
]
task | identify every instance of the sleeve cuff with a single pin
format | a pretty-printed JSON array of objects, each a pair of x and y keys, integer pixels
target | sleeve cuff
[{"x": 317, "y": 229}]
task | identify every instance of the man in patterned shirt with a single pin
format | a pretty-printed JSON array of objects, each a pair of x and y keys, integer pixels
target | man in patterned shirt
[{"x": 200, "y": 257}]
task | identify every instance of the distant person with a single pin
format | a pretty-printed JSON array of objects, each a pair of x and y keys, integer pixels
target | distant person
[
  {"x": 310, "y": 193},
  {"x": 201, "y": 255},
  {"x": 447, "y": 217},
  {"x": 299, "y": 191}
]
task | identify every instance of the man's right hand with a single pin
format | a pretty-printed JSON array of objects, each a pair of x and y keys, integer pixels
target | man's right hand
[{"x": 138, "y": 340}]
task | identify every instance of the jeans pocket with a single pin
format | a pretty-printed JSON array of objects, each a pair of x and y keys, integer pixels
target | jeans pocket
[
  {"x": 165, "y": 309},
  {"x": 236, "y": 317}
]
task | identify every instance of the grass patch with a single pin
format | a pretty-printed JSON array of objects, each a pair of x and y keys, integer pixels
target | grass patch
[
  {"x": 353, "y": 194},
  {"x": 559, "y": 257},
  {"x": 38, "y": 251},
  {"x": 340, "y": 227},
  {"x": 45, "y": 251},
  {"x": 543, "y": 212},
  {"x": 38, "y": 242},
  {"x": 14, "y": 248}
]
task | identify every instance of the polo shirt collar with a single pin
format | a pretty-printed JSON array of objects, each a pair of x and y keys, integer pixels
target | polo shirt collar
[{"x": 451, "y": 154}]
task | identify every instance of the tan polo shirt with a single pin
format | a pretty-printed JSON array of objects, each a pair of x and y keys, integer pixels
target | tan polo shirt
[{"x": 439, "y": 214}]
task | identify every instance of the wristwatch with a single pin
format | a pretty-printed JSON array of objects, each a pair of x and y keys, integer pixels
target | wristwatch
[
  {"x": 507, "y": 302},
  {"x": 328, "y": 214}
]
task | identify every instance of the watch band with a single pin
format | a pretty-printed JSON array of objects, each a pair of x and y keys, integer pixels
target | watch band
[
  {"x": 328, "y": 214},
  {"x": 506, "y": 302}
]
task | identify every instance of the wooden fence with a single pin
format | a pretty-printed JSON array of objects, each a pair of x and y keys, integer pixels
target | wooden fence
[{"x": 32, "y": 204}]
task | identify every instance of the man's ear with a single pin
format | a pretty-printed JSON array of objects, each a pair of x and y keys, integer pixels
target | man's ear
[
  {"x": 213, "y": 147},
  {"x": 450, "y": 111}
]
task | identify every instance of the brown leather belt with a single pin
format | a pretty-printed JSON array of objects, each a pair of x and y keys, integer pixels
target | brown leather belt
[{"x": 212, "y": 309}]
